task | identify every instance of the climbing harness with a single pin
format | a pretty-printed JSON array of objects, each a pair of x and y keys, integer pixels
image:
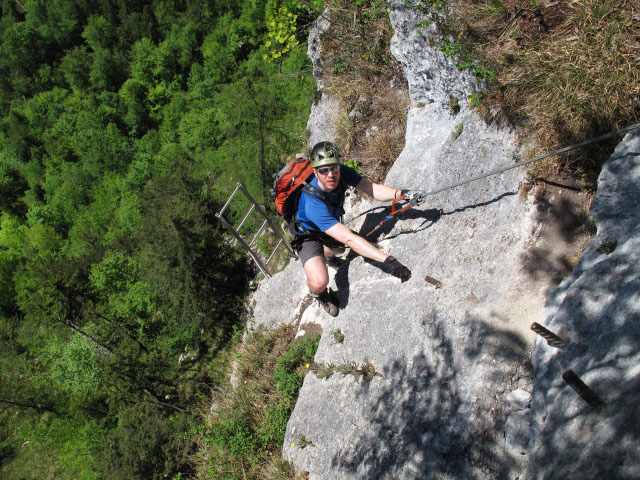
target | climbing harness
[{"x": 400, "y": 204}]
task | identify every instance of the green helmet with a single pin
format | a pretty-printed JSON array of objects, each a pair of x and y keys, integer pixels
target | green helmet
[{"x": 325, "y": 153}]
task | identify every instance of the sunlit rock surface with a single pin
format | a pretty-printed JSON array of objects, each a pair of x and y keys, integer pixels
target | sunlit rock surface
[{"x": 447, "y": 358}]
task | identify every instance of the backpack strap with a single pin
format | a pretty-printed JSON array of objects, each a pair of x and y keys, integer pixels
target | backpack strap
[
  {"x": 300, "y": 232},
  {"x": 315, "y": 192},
  {"x": 319, "y": 194}
]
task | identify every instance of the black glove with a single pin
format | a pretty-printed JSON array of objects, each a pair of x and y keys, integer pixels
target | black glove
[{"x": 397, "y": 269}]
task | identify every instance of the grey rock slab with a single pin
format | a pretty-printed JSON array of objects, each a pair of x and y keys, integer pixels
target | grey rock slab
[
  {"x": 321, "y": 125},
  {"x": 519, "y": 399},
  {"x": 517, "y": 431},
  {"x": 280, "y": 300},
  {"x": 432, "y": 77},
  {"x": 525, "y": 384},
  {"x": 597, "y": 309},
  {"x": 441, "y": 353},
  {"x": 314, "y": 46}
]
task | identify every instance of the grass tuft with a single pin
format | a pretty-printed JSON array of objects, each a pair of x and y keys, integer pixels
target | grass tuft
[
  {"x": 337, "y": 335},
  {"x": 365, "y": 372}
]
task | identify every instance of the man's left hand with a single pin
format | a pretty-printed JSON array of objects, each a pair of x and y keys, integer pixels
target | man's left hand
[{"x": 397, "y": 269}]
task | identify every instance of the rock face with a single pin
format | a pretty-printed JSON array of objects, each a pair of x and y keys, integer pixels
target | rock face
[
  {"x": 597, "y": 310},
  {"x": 517, "y": 431},
  {"x": 441, "y": 353},
  {"x": 445, "y": 356},
  {"x": 519, "y": 399},
  {"x": 321, "y": 124},
  {"x": 432, "y": 76}
]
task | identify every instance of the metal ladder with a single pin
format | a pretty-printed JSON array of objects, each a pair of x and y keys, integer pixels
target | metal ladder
[{"x": 267, "y": 221}]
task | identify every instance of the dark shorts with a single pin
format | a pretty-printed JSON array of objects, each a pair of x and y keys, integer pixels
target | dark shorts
[{"x": 313, "y": 247}]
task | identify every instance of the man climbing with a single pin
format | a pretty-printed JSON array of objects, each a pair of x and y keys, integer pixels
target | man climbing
[{"x": 320, "y": 235}]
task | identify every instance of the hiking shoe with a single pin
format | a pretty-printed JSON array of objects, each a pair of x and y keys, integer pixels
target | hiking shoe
[
  {"x": 329, "y": 302},
  {"x": 335, "y": 262}
]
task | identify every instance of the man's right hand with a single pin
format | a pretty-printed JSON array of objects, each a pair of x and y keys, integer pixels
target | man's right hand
[
  {"x": 397, "y": 269},
  {"x": 416, "y": 195}
]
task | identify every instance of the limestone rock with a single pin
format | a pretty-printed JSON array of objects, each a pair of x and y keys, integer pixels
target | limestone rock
[
  {"x": 519, "y": 399},
  {"x": 597, "y": 309},
  {"x": 517, "y": 431},
  {"x": 321, "y": 123},
  {"x": 441, "y": 352},
  {"x": 432, "y": 77}
]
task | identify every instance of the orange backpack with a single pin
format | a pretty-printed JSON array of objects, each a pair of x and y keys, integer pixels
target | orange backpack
[{"x": 288, "y": 186}]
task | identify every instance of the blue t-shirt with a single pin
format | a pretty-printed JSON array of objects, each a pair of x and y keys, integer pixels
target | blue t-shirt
[{"x": 314, "y": 214}]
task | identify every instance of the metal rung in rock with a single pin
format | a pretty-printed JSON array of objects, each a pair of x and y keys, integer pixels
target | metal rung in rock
[
  {"x": 583, "y": 390},
  {"x": 551, "y": 338}
]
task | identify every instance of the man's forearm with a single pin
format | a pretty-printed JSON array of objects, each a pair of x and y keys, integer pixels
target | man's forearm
[
  {"x": 355, "y": 242},
  {"x": 363, "y": 247},
  {"x": 383, "y": 193},
  {"x": 378, "y": 191}
]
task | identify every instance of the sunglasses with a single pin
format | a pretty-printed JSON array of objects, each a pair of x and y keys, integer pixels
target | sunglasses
[{"x": 326, "y": 170}]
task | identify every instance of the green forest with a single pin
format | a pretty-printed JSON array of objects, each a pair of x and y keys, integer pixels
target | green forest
[{"x": 125, "y": 125}]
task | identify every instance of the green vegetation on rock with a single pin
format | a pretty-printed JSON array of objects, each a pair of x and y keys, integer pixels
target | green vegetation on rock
[{"x": 244, "y": 430}]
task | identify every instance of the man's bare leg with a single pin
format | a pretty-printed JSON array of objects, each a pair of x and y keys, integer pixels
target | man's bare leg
[
  {"x": 317, "y": 279},
  {"x": 317, "y": 274}
]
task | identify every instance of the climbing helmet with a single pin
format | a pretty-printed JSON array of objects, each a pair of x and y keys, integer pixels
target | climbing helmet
[{"x": 325, "y": 153}]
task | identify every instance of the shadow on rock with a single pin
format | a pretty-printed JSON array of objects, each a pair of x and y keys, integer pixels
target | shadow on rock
[
  {"x": 342, "y": 280},
  {"x": 600, "y": 319},
  {"x": 372, "y": 221},
  {"x": 429, "y": 216},
  {"x": 563, "y": 223},
  {"x": 501, "y": 345},
  {"x": 423, "y": 424},
  {"x": 481, "y": 204}
]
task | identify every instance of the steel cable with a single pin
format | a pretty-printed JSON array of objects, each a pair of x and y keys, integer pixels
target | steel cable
[{"x": 537, "y": 159}]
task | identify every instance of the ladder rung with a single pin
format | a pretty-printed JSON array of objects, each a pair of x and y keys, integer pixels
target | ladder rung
[
  {"x": 253, "y": 242},
  {"x": 274, "y": 252},
  {"x": 228, "y": 201},
  {"x": 245, "y": 218}
]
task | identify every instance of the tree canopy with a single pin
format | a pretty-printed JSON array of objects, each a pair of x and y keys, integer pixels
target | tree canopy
[{"x": 124, "y": 125}]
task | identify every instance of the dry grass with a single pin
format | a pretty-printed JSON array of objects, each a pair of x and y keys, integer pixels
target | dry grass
[
  {"x": 278, "y": 469},
  {"x": 564, "y": 72},
  {"x": 369, "y": 83},
  {"x": 583, "y": 238}
]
